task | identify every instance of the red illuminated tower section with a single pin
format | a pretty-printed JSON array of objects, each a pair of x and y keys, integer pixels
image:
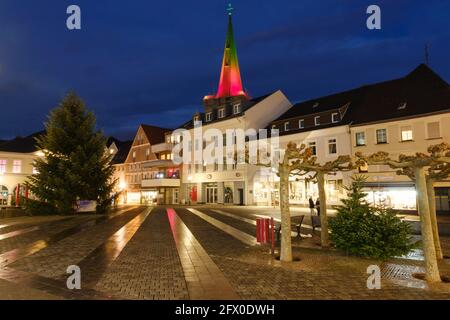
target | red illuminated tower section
[{"x": 230, "y": 84}]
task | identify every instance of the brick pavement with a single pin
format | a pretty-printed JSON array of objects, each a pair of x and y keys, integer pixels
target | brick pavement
[
  {"x": 145, "y": 263},
  {"x": 52, "y": 261},
  {"x": 149, "y": 267}
]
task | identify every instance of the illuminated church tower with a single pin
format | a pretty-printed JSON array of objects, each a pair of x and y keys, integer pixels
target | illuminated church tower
[{"x": 230, "y": 89}]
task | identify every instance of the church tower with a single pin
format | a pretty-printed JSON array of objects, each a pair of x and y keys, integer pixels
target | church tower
[{"x": 230, "y": 90}]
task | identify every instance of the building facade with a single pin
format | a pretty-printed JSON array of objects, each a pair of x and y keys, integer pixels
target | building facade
[
  {"x": 147, "y": 174},
  {"x": 16, "y": 165}
]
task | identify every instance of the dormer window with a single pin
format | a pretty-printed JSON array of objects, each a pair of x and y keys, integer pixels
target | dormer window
[
  {"x": 317, "y": 120},
  {"x": 237, "y": 108},
  {"x": 196, "y": 118},
  {"x": 221, "y": 113},
  {"x": 286, "y": 126},
  {"x": 335, "y": 117},
  {"x": 301, "y": 123},
  {"x": 315, "y": 105},
  {"x": 208, "y": 116}
]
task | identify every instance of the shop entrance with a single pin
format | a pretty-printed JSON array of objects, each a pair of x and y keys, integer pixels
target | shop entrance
[{"x": 211, "y": 193}]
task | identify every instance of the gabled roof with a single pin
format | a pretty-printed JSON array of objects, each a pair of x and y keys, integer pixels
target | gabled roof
[
  {"x": 123, "y": 147},
  {"x": 155, "y": 135},
  {"x": 420, "y": 92},
  {"x": 21, "y": 144}
]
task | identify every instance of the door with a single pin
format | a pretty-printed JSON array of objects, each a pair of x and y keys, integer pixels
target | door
[
  {"x": 211, "y": 194},
  {"x": 241, "y": 197}
]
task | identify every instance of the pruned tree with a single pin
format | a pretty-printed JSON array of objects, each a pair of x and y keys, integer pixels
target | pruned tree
[
  {"x": 416, "y": 166},
  {"x": 306, "y": 163},
  {"x": 300, "y": 161}
]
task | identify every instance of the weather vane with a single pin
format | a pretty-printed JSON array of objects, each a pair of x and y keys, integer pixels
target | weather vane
[{"x": 229, "y": 9}]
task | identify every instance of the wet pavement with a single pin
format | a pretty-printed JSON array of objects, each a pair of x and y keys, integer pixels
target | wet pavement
[{"x": 202, "y": 252}]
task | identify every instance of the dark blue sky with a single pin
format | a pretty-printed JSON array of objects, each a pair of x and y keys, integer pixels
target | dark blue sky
[{"x": 151, "y": 62}]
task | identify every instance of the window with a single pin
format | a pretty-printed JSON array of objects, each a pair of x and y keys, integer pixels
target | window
[
  {"x": 35, "y": 170},
  {"x": 301, "y": 123},
  {"x": 237, "y": 108},
  {"x": 134, "y": 156},
  {"x": 221, "y": 113},
  {"x": 147, "y": 153},
  {"x": 433, "y": 130},
  {"x": 286, "y": 126},
  {"x": 317, "y": 120},
  {"x": 335, "y": 117},
  {"x": 196, "y": 118},
  {"x": 208, "y": 116},
  {"x": 216, "y": 166},
  {"x": 360, "y": 138},
  {"x": 17, "y": 166},
  {"x": 2, "y": 166},
  {"x": 332, "y": 146},
  {"x": 406, "y": 133},
  {"x": 312, "y": 145},
  {"x": 381, "y": 136}
]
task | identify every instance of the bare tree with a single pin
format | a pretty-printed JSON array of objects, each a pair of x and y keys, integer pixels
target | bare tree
[
  {"x": 306, "y": 163},
  {"x": 415, "y": 166}
]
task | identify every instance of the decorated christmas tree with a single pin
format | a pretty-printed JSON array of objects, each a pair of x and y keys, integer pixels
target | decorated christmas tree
[{"x": 76, "y": 165}]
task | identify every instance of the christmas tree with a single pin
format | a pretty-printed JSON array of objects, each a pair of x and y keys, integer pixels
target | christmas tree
[{"x": 76, "y": 165}]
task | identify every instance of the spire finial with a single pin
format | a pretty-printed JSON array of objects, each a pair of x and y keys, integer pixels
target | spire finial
[{"x": 229, "y": 9}]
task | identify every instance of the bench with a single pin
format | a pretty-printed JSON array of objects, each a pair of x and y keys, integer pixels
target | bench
[
  {"x": 315, "y": 222},
  {"x": 298, "y": 226}
]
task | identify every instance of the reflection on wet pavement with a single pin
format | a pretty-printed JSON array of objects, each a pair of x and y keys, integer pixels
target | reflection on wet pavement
[
  {"x": 96, "y": 263},
  {"x": 203, "y": 278},
  {"x": 238, "y": 234}
]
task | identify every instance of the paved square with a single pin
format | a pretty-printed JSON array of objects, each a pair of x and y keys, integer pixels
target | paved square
[{"x": 201, "y": 252}]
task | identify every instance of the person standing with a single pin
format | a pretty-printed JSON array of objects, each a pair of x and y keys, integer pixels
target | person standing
[
  {"x": 311, "y": 206},
  {"x": 318, "y": 206}
]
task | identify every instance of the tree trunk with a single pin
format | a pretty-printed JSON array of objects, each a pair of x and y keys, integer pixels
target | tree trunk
[
  {"x": 323, "y": 210},
  {"x": 434, "y": 224},
  {"x": 286, "y": 248},
  {"x": 431, "y": 266}
]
